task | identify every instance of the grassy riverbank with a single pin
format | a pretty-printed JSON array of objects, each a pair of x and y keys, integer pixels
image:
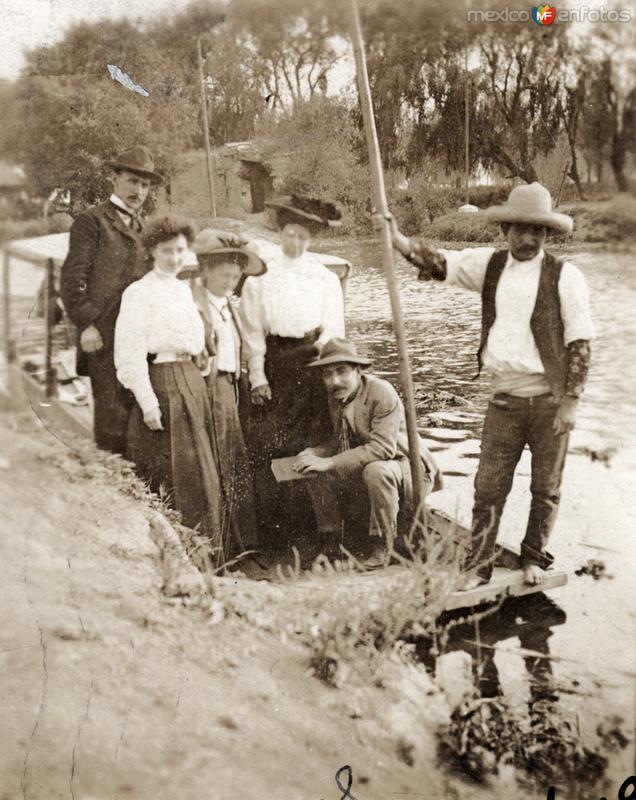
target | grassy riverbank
[{"x": 609, "y": 222}]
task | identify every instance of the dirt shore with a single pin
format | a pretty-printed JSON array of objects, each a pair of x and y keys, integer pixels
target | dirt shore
[{"x": 113, "y": 690}]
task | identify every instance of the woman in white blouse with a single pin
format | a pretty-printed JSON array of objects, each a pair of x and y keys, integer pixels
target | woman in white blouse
[{"x": 157, "y": 336}]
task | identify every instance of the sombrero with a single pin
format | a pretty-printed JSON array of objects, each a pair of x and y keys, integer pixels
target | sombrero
[{"x": 531, "y": 204}]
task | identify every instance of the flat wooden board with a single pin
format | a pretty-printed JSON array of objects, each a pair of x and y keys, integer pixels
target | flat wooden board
[
  {"x": 504, "y": 583},
  {"x": 54, "y": 413}
]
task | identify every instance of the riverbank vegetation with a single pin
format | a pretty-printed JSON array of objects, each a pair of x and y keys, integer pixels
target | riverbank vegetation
[{"x": 611, "y": 222}]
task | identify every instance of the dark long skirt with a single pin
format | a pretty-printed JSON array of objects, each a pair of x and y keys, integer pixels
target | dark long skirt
[
  {"x": 296, "y": 417},
  {"x": 233, "y": 462},
  {"x": 178, "y": 462}
]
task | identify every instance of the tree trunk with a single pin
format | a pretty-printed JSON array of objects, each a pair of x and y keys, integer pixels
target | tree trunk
[
  {"x": 573, "y": 173},
  {"x": 617, "y": 162}
]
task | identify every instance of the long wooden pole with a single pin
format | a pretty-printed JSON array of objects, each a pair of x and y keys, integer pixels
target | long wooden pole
[
  {"x": 381, "y": 206},
  {"x": 466, "y": 127},
  {"x": 206, "y": 130},
  {"x": 49, "y": 312},
  {"x": 9, "y": 346}
]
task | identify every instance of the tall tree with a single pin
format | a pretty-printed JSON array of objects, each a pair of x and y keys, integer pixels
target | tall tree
[
  {"x": 76, "y": 116},
  {"x": 612, "y": 97},
  {"x": 517, "y": 116},
  {"x": 407, "y": 46},
  {"x": 293, "y": 43},
  {"x": 235, "y": 90}
]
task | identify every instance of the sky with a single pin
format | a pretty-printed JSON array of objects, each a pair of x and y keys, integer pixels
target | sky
[{"x": 31, "y": 23}]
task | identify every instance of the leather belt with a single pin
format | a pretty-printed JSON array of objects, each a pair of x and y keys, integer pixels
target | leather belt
[{"x": 165, "y": 358}]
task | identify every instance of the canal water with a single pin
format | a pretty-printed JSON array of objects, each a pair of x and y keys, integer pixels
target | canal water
[{"x": 587, "y": 627}]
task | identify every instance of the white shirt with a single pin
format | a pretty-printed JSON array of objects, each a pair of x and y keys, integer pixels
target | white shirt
[
  {"x": 126, "y": 218},
  {"x": 294, "y": 296},
  {"x": 223, "y": 325},
  {"x": 157, "y": 315},
  {"x": 511, "y": 354}
]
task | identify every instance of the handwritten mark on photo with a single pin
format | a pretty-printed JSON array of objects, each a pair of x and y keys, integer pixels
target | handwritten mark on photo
[
  {"x": 628, "y": 783},
  {"x": 349, "y": 773}
]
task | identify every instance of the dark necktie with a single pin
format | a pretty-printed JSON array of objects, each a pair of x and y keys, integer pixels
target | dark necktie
[
  {"x": 135, "y": 222},
  {"x": 344, "y": 442}
]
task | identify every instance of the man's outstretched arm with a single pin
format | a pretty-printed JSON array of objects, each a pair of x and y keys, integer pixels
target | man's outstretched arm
[
  {"x": 465, "y": 268},
  {"x": 430, "y": 262}
]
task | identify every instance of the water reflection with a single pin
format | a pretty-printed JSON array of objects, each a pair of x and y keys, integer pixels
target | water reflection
[{"x": 529, "y": 619}]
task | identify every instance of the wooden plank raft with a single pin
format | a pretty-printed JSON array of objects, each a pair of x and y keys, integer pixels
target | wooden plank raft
[
  {"x": 504, "y": 583},
  {"x": 507, "y": 579}
]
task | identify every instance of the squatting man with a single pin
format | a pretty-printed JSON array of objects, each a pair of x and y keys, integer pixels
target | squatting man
[{"x": 365, "y": 461}]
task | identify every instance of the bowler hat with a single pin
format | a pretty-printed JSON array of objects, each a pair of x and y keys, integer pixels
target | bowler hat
[
  {"x": 137, "y": 159},
  {"x": 530, "y": 204},
  {"x": 211, "y": 246},
  {"x": 337, "y": 351}
]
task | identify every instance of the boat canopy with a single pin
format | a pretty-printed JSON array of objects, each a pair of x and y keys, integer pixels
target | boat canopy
[{"x": 39, "y": 249}]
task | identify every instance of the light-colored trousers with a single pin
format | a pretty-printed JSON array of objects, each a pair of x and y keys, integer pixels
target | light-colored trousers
[{"x": 377, "y": 489}]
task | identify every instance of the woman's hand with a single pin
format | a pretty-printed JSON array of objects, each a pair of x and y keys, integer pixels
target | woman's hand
[
  {"x": 260, "y": 394},
  {"x": 91, "y": 340},
  {"x": 152, "y": 419}
]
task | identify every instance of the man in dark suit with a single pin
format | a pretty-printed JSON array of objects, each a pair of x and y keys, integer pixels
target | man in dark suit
[{"x": 105, "y": 256}]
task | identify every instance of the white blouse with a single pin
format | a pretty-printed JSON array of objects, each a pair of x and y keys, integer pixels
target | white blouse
[
  {"x": 293, "y": 297},
  {"x": 157, "y": 315},
  {"x": 223, "y": 325}
]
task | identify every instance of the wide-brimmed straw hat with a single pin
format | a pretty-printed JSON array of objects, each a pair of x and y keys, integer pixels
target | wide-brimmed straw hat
[
  {"x": 337, "y": 351},
  {"x": 216, "y": 247},
  {"x": 137, "y": 159},
  {"x": 531, "y": 204}
]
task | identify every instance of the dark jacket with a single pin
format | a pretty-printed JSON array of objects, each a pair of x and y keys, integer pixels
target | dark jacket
[
  {"x": 104, "y": 257},
  {"x": 377, "y": 421},
  {"x": 211, "y": 336},
  {"x": 546, "y": 322}
]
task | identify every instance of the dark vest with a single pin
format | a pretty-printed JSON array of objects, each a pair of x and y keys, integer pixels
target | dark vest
[{"x": 546, "y": 322}]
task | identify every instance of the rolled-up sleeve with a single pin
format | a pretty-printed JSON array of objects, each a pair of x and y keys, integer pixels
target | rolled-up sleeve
[
  {"x": 131, "y": 349},
  {"x": 575, "y": 305},
  {"x": 467, "y": 268},
  {"x": 251, "y": 314}
]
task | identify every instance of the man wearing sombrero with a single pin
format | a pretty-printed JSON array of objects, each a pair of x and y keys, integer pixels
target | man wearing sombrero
[
  {"x": 105, "y": 256},
  {"x": 535, "y": 334}
]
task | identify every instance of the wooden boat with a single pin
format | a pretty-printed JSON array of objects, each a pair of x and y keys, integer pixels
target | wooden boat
[{"x": 43, "y": 360}]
